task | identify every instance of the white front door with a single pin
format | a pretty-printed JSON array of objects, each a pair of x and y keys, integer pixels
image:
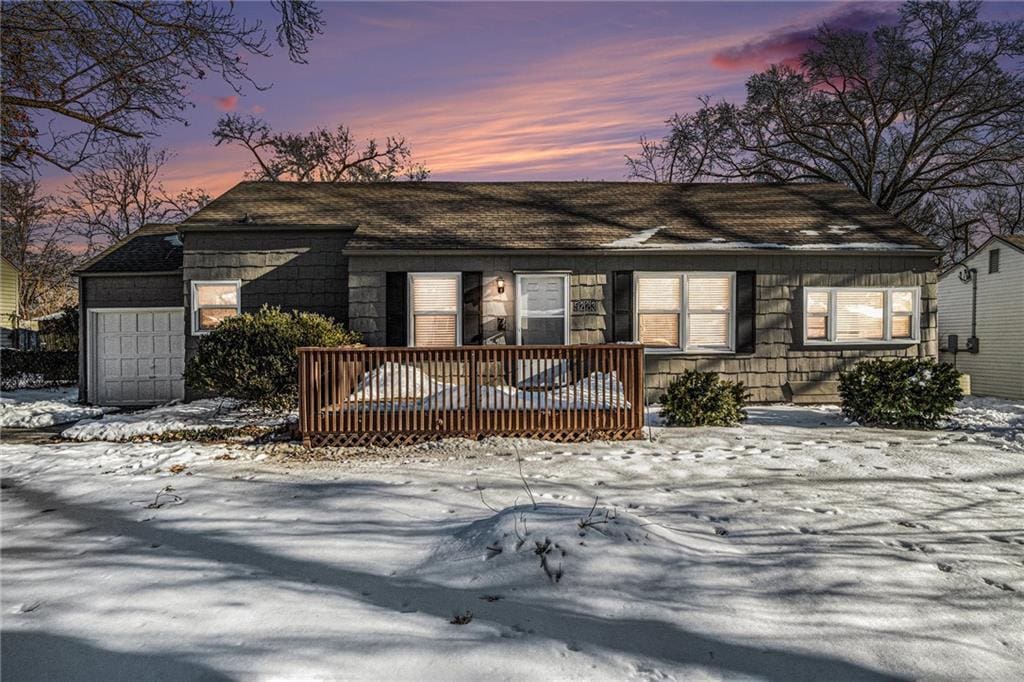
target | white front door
[
  {"x": 541, "y": 305},
  {"x": 138, "y": 356}
]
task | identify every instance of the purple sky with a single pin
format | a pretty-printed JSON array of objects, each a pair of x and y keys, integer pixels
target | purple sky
[{"x": 507, "y": 91}]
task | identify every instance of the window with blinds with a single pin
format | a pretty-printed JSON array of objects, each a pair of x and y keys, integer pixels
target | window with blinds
[
  {"x": 434, "y": 308},
  {"x": 858, "y": 315},
  {"x": 658, "y": 302},
  {"x": 212, "y": 303},
  {"x": 709, "y": 312},
  {"x": 690, "y": 311}
]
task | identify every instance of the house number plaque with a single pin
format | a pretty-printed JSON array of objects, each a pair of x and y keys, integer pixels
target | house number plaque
[{"x": 584, "y": 306}]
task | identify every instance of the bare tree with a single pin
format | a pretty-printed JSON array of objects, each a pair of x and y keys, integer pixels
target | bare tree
[
  {"x": 320, "y": 155},
  {"x": 33, "y": 239},
  {"x": 79, "y": 75},
  {"x": 122, "y": 191},
  {"x": 925, "y": 118}
]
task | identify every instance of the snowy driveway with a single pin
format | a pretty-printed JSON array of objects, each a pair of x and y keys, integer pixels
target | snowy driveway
[{"x": 793, "y": 548}]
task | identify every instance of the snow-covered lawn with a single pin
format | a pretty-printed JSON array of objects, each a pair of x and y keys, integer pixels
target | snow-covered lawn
[
  {"x": 173, "y": 418},
  {"x": 795, "y": 547},
  {"x": 41, "y": 407}
]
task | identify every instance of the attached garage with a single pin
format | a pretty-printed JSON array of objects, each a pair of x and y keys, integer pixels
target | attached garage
[
  {"x": 132, "y": 335},
  {"x": 138, "y": 356}
]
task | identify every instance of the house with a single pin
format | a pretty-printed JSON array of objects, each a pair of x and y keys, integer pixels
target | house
[
  {"x": 10, "y": 281},
  {"x": 779, "y": 286},
  {"x": 14, "y": 331},
  {"x": 981, "y": 303}
]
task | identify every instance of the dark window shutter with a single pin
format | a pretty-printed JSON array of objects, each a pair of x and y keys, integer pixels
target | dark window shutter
[
  {"x": 472, "y": 297},
  {"x": 746, "y": 311},
  {"x": 397, "y": 310},
  {"x": 622, "y": 305}
]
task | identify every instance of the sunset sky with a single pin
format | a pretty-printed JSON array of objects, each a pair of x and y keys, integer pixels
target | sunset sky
[{"x": 506, "y": 91}]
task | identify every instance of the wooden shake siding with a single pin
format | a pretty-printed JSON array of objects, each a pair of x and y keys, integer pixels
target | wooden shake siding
[{"x": 779, "y": 370}]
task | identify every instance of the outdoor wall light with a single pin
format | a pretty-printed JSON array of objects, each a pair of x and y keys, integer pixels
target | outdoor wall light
[{"x": 501, "y": 285}]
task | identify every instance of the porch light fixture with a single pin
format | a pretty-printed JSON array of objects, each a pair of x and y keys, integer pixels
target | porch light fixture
[{"x": 501, "y": 285}]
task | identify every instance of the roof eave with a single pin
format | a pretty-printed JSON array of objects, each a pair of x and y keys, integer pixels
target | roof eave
[
  {"x": 913, "y": 251},
  {"x": 123, "y": 273},
  {"x": 260, "y": 227}
]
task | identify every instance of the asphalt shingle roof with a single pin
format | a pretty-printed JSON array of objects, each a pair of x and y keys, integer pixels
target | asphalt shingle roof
[
  {"x": 415, "y": 216},
  {"x": 151, "y": 248}
]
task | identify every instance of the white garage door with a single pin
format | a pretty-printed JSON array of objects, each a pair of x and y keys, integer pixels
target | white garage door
[{"x": 139, "y": 356}]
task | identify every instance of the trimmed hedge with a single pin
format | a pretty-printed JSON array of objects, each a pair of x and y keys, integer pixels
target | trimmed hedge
[
  {"x": 703, "y": 399},
  {"x": 37, "y": 368},
  {"x": 905, "y": 393},
  {"x": 253, "y": 357}
]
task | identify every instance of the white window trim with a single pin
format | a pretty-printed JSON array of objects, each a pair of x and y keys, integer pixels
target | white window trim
[
  {"x": 193, "y": 304},
  {"x": 412, "y": 304},
  {"x": 683, "y": 313},
  {"x": 520, "y": 276},
  {"x": 915, "y": 317}
]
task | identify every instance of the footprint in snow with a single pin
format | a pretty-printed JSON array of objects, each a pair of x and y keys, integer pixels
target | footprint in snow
[
  {"x": 1005, "y": 539},
  {"x": 1002, "y": 586},
  {"x": 818, "y": 510},
  {"x": 945, "y": 568},
  {"x": 911, "y": 524}
]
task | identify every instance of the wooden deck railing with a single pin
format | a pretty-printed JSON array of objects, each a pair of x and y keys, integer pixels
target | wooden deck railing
[{"x": 360, "y": 396}]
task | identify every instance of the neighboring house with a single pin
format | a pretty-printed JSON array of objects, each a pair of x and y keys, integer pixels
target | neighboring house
[
  {"x": 779, "y": 286},
  {"x": 14, "y": 331},
  {"x": 10, "y": 286},
  {"x": 981, "y": 302}
]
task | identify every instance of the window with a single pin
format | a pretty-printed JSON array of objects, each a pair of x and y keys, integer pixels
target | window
[
  {"x": 993, "y": 261},
  {"x": 542, "y": 309},
  {"x": 852, "y": 315},
  {"x": 214, "y": 302},
  {"x": 688, "y": 311},
  {"x": 659, "y": 302},
  {"x": 434, "y": 309}
]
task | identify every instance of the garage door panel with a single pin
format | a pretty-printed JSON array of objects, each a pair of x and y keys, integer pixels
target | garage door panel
[{"x": 140, "y": 357}]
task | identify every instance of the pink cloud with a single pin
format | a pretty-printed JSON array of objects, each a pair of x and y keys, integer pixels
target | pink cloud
[
  {"x": 227, "y": 103},
  {"x": 256, "y": 109},
  {"x": 786, "y": 45}
]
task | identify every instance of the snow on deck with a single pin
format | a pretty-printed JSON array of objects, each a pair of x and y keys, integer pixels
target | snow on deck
[{"x": 794, "y": 547}]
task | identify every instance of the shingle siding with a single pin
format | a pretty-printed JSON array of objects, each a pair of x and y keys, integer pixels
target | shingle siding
[
  {"x": 294, "y": 270},
  {"x": 780, "y": 369}
]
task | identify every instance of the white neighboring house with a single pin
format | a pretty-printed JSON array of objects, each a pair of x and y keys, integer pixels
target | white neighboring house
[{"x": 996, "y": 270}]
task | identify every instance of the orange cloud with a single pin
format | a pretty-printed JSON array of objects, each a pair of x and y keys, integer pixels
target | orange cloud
[
  {"x": 228, "y": 103},
  {"x": 572, "y": 116}
]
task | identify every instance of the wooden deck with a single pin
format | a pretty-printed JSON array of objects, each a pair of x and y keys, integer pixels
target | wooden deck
[{"x": 362, "y": 396}]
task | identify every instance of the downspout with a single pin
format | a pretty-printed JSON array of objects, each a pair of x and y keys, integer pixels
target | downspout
[{"x": 971, "y": 275}]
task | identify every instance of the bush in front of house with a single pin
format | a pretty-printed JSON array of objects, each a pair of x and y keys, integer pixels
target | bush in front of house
[
  {"x": 253, "y": 357},
  {"x": 905, "y": 393},
  {"x": 703, "y": 399},
  {"x": 37, "y": 368}
]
